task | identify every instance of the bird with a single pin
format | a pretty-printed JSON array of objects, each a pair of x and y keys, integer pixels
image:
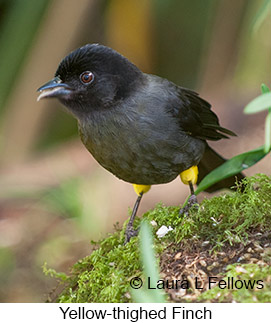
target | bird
[{"x": 142, "y": 128}]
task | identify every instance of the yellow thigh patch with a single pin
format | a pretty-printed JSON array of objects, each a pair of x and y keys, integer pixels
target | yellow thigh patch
[
  {"x": 190, "y": 175},
  {"x": 141, "y": 189}
]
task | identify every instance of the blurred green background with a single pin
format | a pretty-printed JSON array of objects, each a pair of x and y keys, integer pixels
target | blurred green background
[{"x": 54, "y": 198}]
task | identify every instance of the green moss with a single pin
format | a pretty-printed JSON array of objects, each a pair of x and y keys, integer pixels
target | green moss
[
  {"x": 224, "y": 218},
  {"x": 258, "y": 275},
  {"x": 104, "y": 275}
]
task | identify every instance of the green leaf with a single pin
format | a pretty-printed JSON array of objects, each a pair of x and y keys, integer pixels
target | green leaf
[
  {"x": 231, "y": 167},
  {"x": 150, "y": 268},
  {"x": 261, "y": 103},
  {"x": 267, "y": 144},
  {"x": 265, "y": 88},
  {"x": 261, "y": 15}
]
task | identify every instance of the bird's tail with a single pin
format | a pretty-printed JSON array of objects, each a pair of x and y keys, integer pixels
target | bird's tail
[{"x": 209, "y": 162}]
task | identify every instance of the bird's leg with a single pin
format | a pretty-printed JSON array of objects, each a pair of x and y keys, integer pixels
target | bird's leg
[
  {"x": 130, "y": 231},
  {"x": 190, "y": 177},
  {"x": 191, "y": 201}
]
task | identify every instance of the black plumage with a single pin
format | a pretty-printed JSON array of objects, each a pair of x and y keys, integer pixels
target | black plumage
[{"x": 142, "y": 128}]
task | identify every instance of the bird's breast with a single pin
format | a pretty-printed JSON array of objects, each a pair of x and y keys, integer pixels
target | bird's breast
[{"x": 140, "y": 148}]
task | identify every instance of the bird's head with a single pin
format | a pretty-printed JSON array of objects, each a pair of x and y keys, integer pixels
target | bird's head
[{"x": 92, "y": 77}]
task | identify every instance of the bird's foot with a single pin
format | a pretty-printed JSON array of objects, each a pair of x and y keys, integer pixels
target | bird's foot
[
  {"x": 129, "y": 233},
  {"x": 190, "y": 203}
]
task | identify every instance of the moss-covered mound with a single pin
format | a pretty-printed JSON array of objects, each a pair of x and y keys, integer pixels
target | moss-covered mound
[{"x": 227, "y": 238}]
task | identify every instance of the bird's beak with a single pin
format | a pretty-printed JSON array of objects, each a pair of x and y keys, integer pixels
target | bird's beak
[{"x": 54, "y": 89}]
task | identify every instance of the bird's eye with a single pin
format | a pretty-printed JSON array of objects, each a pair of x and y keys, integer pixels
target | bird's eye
[{"x": 87, "y": 77}]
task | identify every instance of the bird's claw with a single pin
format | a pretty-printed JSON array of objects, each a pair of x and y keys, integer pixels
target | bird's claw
[
  {"x": 129, "y": 233},
  {"x": 192, "y": 201}
]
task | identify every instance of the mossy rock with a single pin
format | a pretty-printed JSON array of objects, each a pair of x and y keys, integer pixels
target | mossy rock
[{"x": 227, "y": 237}]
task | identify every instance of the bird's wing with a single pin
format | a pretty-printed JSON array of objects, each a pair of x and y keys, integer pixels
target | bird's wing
[{"x": 197, "y": 119}]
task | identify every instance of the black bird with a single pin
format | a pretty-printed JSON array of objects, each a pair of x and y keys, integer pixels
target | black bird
[{"x": 142, "y": 128}]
